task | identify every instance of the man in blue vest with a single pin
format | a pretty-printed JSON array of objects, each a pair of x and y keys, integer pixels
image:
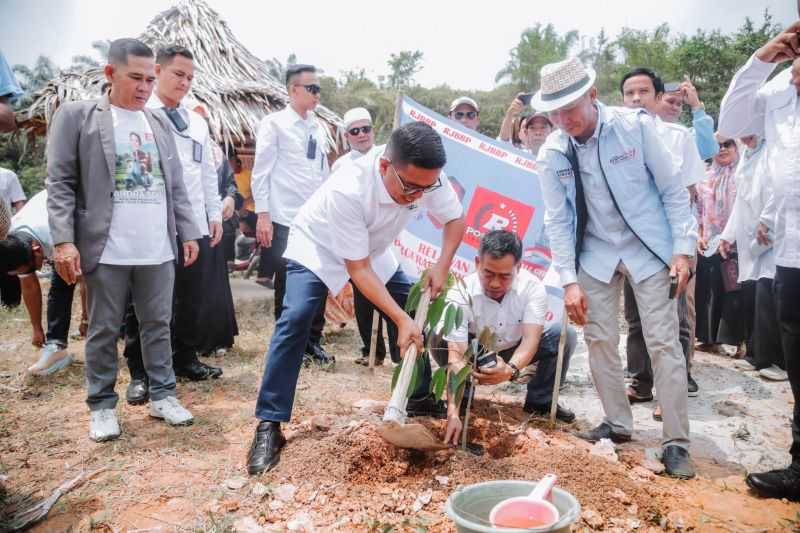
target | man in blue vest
[{"x": 616, "y": 209}]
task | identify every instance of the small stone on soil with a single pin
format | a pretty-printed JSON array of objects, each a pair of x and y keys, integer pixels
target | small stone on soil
[
  {"x": 284, "y": 493},
  {"x": 236, "y": 483}
]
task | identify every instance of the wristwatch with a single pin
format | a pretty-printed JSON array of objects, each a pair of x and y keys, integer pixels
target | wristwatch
[{"x": 515, "y": 375}]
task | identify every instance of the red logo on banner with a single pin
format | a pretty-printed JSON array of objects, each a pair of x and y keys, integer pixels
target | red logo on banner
[{"x": 490, "y": 211}]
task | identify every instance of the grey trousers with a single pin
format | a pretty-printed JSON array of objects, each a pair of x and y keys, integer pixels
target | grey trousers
[
  {"x": 639, "y": 364},
  {"x": 660, "y": 326},
  {"x": 150, "y": 287}
]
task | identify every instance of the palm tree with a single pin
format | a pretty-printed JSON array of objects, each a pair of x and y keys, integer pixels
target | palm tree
[
  {"x": 538, "y": 46},
  {"x": 83, "y": 62},
  {"x": 31, "y": 79}
]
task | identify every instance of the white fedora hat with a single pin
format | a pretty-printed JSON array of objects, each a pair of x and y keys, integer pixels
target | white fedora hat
[{"x": 562, "y": 83}]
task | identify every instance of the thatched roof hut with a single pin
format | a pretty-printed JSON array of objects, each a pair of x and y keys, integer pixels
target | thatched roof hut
[{"x": 234, "y": 85}]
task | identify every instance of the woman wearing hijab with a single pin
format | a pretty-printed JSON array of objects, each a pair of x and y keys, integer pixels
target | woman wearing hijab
[
  {"x": 756, "y": 260},
  {"x": 721, "y": 317}
]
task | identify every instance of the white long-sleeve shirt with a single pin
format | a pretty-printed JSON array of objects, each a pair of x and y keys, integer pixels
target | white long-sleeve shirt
[
  {"x": 682, "y": 146},
  {"x": 284, "y": 176},
  {"x": 771, "y": 110},
  {"x": 753, "y": 193},
  {"x": 195, "y": 149}
]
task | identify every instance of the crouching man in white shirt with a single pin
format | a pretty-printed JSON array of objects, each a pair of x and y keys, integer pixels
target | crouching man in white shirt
[
  {"x": 345, "y": 231},
  {"x": 512, "y": 303}
]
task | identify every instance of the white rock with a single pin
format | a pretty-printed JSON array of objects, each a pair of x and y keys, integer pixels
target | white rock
[
  {"x": 260, "y": 490},
  {"x": 247, "y": 524},
  {"x": 592, "y": 518},
  {"x": 605, "y": 448},
  {"x": 619, "y": 495},
  {"x": 236, "y": 483},
  {"x": 422, "y": 500},
  {"x": 284, "y": 493},
  {"x": 443, "y": 480},
  {"x": 301, "y": 522},
  {"x": 274, "y": 505}
]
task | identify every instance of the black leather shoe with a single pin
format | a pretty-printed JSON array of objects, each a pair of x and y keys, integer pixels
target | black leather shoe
[
  {"x": 138, "y": 391},
  {"x": 635, "y": 396},
  {"x": 426, "y": 406},
  {"x": 677, "y": 463},
  {"x": 693, "y": 389},
  {"x": 562, "y": 413},
  {"x": 783, "y": 483},
  {"x": 197, "y": 371},
  {"x": 319, "y": 356},
  {"x": 265, "y": 451},
  {"x": 603, "y": 431}
]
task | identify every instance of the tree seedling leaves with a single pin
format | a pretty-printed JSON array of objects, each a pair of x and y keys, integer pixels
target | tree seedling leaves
[
  {"x": 449, "y": 318},
  {"x": 435, "y": 312},
  {"x": 419, "y": 368},
  {"x": 459, "y": 317},
  {"x": 414, "y": 296},
  {"x": 438, "y": 382}
]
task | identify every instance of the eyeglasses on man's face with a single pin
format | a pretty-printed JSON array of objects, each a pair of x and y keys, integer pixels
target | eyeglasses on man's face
[
  {"x": 468, "y": 114},
  {"x": 414, "y": 189},
  {"x": 727, "y": 144},
  {"x": 363, "y": 129}
]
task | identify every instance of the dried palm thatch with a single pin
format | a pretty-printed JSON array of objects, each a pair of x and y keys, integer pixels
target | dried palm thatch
[{"x": 231, "y": 82}]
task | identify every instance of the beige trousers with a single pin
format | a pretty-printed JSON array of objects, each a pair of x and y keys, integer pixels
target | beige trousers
[{"x": 659, "y": 317}]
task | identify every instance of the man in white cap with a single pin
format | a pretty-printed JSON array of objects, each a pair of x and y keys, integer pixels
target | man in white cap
[
  {"x": 466, "y": 111},
  {"x": 360, "y": 136},
  {"x": 616, "y": 209}
]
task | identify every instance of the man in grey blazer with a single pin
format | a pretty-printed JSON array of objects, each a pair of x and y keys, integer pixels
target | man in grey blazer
[{"x": 116, "y": 201}]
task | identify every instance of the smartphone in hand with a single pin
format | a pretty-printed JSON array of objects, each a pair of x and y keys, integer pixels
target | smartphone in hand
[
  {"x": 525, "y": 98},
  {"x": 673, "y": 287}
]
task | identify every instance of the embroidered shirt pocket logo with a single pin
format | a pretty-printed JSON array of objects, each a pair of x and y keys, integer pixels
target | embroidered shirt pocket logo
[{"x": 627, "y": 155}]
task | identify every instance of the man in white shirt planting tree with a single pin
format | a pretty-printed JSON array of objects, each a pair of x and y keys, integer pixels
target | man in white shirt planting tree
[{"x": 345, "y": 231}]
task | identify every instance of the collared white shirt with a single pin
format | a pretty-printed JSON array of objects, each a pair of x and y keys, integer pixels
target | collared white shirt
[
  {"x": 284, "y": 176},
  {"x": 524, "y": 303},
  {"x": 10, "y": 188},
  {"x": 607, "y": 240},
  {"x": 353, "y": 217},
  {"x": 682, "y": 146},
  {"x": 354, "y": 155},
  {"x": 195, "y": 149},
  {"x": 33, "y": 220},
  {"x": 771, "y": 110}
]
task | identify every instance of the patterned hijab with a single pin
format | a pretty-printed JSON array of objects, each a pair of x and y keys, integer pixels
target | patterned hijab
[{"x": 717, "y": 194}]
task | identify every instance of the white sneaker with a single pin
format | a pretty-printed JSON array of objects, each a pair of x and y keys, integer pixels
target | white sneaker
[
  {"x": 171, "y": 411},
  {"x": 773, "y": 373},
  {"x": 103, "y": 425},
  {"x": 52, "y": 360}
]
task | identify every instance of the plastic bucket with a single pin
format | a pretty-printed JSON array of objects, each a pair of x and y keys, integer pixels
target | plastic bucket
[{"x": 469, "y": 506}]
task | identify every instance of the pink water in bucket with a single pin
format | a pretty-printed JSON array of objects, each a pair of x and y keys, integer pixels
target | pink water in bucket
[{"x": 531, "y": 511}]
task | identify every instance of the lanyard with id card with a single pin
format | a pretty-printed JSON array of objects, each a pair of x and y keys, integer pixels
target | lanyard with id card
[{"x": 311, "y": 151}]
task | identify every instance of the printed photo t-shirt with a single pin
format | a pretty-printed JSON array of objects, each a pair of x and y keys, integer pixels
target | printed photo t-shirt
[{"x": 139, "y": 233}]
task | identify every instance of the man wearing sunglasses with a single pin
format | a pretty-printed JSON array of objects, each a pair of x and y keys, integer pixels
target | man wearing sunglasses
[
  {"x": 290, "y": 164},
  {"x": 345, "y": 232},
  {"x": 360, "y": 136},
  {"x": 466, "y": 111}
]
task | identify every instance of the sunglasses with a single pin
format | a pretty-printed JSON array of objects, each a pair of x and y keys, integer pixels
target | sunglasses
[
  {"x": 727, "y": 144},
  {"x": 362, "y": 129},
  {"x": 312, "y": 88},
  {"x": 469, "y": 114},
  {"x": 413, "y": 189}
]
